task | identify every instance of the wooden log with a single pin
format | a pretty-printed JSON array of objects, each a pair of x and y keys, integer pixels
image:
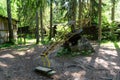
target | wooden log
[{"x": 73, "y": 38}]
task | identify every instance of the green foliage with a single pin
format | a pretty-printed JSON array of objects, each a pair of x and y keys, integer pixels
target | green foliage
[
  {"x": 94, "y": 14},
  {"x": 109, "y": 31},
  {"x": 25, "y": 11},
  {"x": 116, "y": 45},
  {"x": 46, "y": 40},
  {"x": 18, "y": 47},
  {"x": 86, "y": 52},
  {"x": 28, "y": 40},
  {"x": 58, "y": 12},
  {"x": 3, "y": 8},
  {"x": 113, "y": 25},
  {"x": 64, "y": 52},
  {"x": 105, "y": 41},
  {"x": 106, "y": 10},
  {"x": 6, "y": 45},
  {"x": 67, "y": 52}
]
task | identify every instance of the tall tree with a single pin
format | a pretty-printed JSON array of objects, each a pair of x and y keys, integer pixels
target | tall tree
[
  {"x": 37, "y": 27},
  {"x": 80, "y": 13},
  {"x": 72, "y": 14},
  {"x": 51, "y": 16},
  {"x": 41, "y": 23},
  {"x": 11, "y": 37},
  {"x": 37, "y": 24},
  {"x": 94, "y": 10},
  {"x": 42, "y": 9},
  {"x": 113, "y": 10},
  {"x": 99, "y": 24}
]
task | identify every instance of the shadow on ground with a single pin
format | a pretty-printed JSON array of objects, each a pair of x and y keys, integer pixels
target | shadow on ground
[{"x": 19, "y": 64}]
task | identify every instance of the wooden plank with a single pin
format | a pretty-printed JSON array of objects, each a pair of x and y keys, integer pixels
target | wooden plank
[
  {"x": 51, "y": 73},
  {"x": 43, "y": 69}
]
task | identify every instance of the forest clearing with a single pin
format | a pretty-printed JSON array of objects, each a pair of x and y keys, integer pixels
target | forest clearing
[
  {"x": 19, "y": 64},
  {"x": 59, "y": 40}
]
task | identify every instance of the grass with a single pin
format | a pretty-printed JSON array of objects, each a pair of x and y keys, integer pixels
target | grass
[
  {"x": 105, "y": 41},
  {"x": 68, "y": 53},
  {"x": 6, "y": 45},
  {"x": 27, "y": 41},
  {"x": 31, "y": 43},
  {"x": 18, "y": 44},
  {"x": 116, "y": 43}
]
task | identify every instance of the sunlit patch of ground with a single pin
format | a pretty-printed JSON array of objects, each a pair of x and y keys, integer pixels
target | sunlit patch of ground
[
  {"x": 7, "y": 56},
  {"x": 109, "y": 43},
  {"x": 119, "y": 43},
  {"x": 3, "y": 64},
  {"x": 20, "y": 62}
]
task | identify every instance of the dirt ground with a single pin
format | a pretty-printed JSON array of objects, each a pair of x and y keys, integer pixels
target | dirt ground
[{"x": 19, "y": 64}]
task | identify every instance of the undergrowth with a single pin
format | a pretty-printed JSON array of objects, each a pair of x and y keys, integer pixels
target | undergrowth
[{"x": 67, "y": 52}]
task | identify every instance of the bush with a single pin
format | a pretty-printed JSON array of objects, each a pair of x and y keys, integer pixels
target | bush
[
  {"x": 63, "y": 51},
  {"x": 108, "y": 31}
]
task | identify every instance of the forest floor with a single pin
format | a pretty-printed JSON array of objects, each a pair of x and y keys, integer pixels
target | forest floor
[{"x": 19, "y": 64}]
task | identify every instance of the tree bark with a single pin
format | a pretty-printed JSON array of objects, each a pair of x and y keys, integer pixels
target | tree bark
[
  {"x": 94, "y": 11},
  {"x": 113, "y": 10},
  {"x": 10, "y": 27},
  {"x": 51, "y": 15},
  {"x": 72, "y": 13},
  {"x": 37, "y": 27},
  {"x": 80, "y": 13},
  {"x": 41, "y": 24},
  {"x": 99, "y": 18}
]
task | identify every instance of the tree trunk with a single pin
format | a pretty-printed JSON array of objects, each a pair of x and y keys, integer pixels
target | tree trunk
[
  {"x": 113, "y": 10},
  {"x": 41, "y": 24},
  {"x": 80, "y": 13},
  {"x": 94, "y": 11},
  {"x": 72, "y": 14},
  {"x": 50, "y": 35},
  {"x": 11, "y": 37},
  {"x": 37, "y": 27},
  {"x": 99, "y": 24},
  {"x": 90, "y": 12}
]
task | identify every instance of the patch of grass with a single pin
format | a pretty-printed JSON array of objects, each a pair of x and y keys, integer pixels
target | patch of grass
[
  {"x": 46, "y": 41},
  {"x": 30, "y": 41},
  {"x": 86, "y": 52},
  {"x": 63, "y": 52},
  {"x": 105, "y": 41},
  {"x": 68, "y": 53},
  {"x": 27, "y": 41},
  {"x": 23, "y": 47},
  {"x": 6, "y": 45},
  {"x": 17, "y": 46},
  {"x": 116, "y": 45}
]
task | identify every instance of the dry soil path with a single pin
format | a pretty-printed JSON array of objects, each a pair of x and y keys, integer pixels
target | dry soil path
[{"x": 19, "y": 64}]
